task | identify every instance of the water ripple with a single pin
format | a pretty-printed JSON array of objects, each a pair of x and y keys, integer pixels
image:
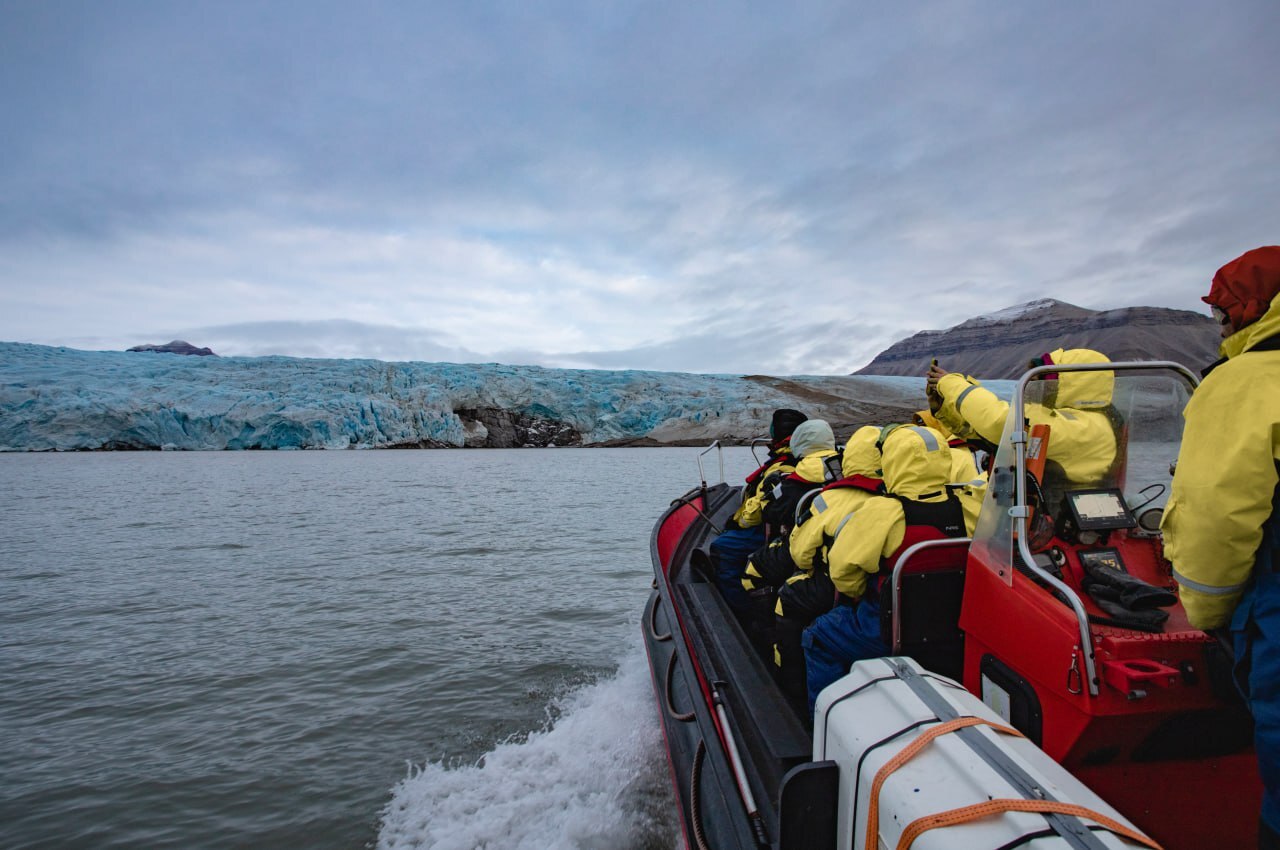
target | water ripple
[{"x": 256, "y": 667}]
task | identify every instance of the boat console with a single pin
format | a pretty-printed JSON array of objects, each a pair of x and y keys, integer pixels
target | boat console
[{"x": 1134, "y": 701}]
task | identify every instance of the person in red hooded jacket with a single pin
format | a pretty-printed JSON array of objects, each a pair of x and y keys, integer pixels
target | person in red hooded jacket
[{"x": 1221, "y": 525}]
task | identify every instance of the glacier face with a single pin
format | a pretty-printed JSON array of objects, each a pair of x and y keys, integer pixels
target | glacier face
[{"x": 60, "y": 399}]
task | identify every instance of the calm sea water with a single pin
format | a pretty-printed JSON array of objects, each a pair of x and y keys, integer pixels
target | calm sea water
[{"x": 332, "y": 649}]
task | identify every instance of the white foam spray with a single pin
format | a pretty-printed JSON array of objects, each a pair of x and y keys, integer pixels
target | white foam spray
[{"x": 597, "y": 778}]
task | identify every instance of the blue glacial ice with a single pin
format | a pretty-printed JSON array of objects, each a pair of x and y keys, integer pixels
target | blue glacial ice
[{"x": 60, "y": 399}]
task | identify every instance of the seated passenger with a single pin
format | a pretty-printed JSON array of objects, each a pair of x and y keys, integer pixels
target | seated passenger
[
  {"x": 1082, "y": 440},
  {"x": 744, "y": 532},
  {"x": 814, "y": 446},
  {"x": 817, "y": 462},
  {"x": 808, "y": 592},
  {"x": 917, "y": 464},
  {"x": 968, "y": 480}
]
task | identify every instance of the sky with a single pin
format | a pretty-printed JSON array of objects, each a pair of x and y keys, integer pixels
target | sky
[{"x": 739, "y": 187}]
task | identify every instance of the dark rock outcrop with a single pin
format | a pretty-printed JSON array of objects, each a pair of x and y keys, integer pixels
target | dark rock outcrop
[
  {"x": 496, "y": 428},
  {"x": 177, "y": 346},
  {"x": 999, "y": 345}
]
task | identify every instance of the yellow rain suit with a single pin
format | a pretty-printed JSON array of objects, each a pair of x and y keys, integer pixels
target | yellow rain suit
[
  {"x": 751, "y": 512},
  {"x": 917, "y": 466},
  {"x": 814, "y": 443},
  {"x": 1226, "y": 475},
  {"x": 1082, "y": 439},
  {"x": 830, "y": 509},
  {"x": 964, "y": 469}
]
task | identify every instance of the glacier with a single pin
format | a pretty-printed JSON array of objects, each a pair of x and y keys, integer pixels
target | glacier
[{"x": 63, "y": 399}]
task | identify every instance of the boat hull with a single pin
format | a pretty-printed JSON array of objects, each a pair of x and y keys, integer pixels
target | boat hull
[{"x": 697, "y": 652}]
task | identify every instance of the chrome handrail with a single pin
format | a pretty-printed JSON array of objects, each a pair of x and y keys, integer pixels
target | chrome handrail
[
  {"x": 895, "y": 587},
  {"x": 702, "y": 476},
  {"x": 759, "y": 441},
  {"x": 803, "y": 504},
  {"x": 1020, "y": 513}
]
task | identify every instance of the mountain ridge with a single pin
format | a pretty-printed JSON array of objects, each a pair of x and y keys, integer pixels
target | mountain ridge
[{"x": 999, "y": 345}]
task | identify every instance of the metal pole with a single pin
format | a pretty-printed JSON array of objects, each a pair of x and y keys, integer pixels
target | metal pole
[{"x": 731, "y": 746}]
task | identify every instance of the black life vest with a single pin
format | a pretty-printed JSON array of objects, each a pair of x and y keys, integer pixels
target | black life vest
[
  {"x": 1271, "y": 343},
  {"x": 925, "y": 521}
]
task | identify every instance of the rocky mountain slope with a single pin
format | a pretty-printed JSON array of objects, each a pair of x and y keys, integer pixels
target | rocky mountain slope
[{"x": 1000, "y": 344}]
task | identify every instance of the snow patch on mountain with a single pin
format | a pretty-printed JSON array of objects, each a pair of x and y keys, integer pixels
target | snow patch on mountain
[{"x": 1009, "y": 314}]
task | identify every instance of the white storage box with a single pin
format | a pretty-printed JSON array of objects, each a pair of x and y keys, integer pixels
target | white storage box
[{"x": 881, "y": 710}]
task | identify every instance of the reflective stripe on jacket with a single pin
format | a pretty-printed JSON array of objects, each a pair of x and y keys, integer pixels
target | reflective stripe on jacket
[
  {"x": 1226, "y": 476},
  {"x": 751, "y": 511},
  {"x": 830, "y": 509},
  {"x": 917, "y": 464},
  {"x": 860, "y": 464},
  {"x": 1082, "y": 440}
]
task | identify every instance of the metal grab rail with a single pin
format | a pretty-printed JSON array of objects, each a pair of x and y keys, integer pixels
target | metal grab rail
[
  {"x": 702, "y": 476},
  {"x": 895, "y": 587},
  {"x": 1022, "y": 516},
  {"x": 803, "y": 505}
]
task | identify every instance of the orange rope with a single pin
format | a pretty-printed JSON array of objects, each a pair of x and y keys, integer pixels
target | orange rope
[
  {"x": 909, "y": 752},
  {"x": 977, "y": 811},
  {"x": 965, "y": 814}
]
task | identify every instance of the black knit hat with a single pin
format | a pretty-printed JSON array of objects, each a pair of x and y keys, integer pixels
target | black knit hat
[{"x": 784, "y": 422}]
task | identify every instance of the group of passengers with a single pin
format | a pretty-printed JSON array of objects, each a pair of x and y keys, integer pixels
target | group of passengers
[
  {"x": 805, "y": 558},
  {"x": 818, "y": 575}
]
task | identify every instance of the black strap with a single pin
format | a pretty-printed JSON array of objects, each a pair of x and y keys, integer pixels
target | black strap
[
  {"x": 1074, "y": 833},
  {"x": 947, "y": 515},
  {"x": 1271, "y": 343}
]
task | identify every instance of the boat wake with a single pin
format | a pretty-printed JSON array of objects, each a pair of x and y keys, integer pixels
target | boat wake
[{"x": 595, "y": 777}]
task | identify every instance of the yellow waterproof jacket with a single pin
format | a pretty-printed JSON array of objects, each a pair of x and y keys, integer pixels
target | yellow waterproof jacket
[
  {"x": 751, "y": 512},
  {"x": 1081, "y": 440},
  {"x": 831, "y": 508},
  {"x": 964, "y": 470},
  {"x": 964, "y": 466},
  {"x": 917, "y": 464},
  {"x": 1226, "y": 476}
]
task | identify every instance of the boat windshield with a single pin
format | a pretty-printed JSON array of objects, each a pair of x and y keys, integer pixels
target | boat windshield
[{"x": 1094, "y": 454}]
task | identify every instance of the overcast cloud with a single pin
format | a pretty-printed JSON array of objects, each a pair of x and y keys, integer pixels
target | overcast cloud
[{"x": 751, "y": 187}]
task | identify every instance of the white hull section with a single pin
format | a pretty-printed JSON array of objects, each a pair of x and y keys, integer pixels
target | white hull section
[{"x": 883, "y": 707}]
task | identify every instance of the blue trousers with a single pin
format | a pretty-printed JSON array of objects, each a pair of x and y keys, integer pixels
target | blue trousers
[
  {"x": 1255, "y": 631},
  {"x": 838, "y": 638},
  {"x": 730, "y": 552}
]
